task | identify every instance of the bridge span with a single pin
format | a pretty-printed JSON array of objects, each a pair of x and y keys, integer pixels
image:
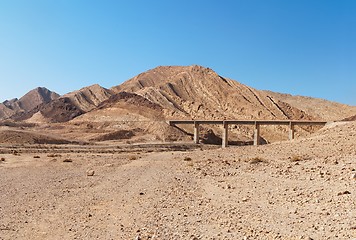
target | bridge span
[{"x": 255, "y": 123}]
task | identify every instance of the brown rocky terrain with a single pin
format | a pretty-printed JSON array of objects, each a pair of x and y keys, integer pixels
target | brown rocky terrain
[
  {"x": 352, "y": 118},
  {"x": 196, "y": 92},
  {"x": 300, "y": 189},
  {"x": 88, "y": 98},
  {"x": 104, "y": 164},
  {"x": 26, "y": 103},
  {"x": 192, "y": 92},
  {"x": 200, "y": 93},
  {"x": 320, "y": 108},
  {"x": 9, "y": 136},
  {"x": 66, "y": 107}
]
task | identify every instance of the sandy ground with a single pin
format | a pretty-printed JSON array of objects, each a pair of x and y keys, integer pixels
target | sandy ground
[{"x": 302, "y": 189}]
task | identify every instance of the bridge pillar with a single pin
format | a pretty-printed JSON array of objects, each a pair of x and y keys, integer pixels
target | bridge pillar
[
  {"x": 196, "y": 132},
  {"x": 225, "y": 134},
  {"x": 291, "y": 131},
  {"x": 256, "y": 135}
]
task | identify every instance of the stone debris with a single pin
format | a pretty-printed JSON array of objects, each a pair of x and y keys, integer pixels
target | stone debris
[
  {"x": 160, "y": 196},
  {"x": 353, "y": 176},
  {"x": 343, "y": 193},
  {"x": 90, "y": 172}
]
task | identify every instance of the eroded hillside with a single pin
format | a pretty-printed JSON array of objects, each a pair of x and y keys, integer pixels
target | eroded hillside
[{"x": 142, "y": 105}]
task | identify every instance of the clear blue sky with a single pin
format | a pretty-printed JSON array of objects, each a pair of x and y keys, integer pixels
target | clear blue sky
[{"x": 303, "y": 47}]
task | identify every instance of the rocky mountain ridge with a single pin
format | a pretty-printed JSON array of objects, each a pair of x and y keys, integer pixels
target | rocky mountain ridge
[
  {"x": 66, "y": 107},
  {"x": 198, "y": 92},
  {"x": 28, "y": 102},
  {"x": 147, "y": 100},
  {"x": 320, "y": 108}
]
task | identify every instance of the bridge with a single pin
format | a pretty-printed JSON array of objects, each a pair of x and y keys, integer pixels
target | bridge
[{"x": 256, "y": 123}]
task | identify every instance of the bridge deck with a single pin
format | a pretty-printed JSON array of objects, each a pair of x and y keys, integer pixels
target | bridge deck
[
  {"x": 248, "y": 122},
  {"x": 256, "y": 123}
]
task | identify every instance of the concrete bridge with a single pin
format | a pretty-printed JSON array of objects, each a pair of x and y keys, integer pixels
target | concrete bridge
[{"x": 255, "y": 123}]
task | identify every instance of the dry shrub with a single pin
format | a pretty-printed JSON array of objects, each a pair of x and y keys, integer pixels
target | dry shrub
[
  {"x": 15, "y": 153},
  {"x": 2, "y": 159},
  {"x": 256, "y": 160},
  {"x": 36, "y": 157},
  {"x": 190, "y": 164},
  {"x": 187, "y": 159},
  {"x": 296, "y": 158},
  {"x": 54, "y": 155},
  {"x": 133, "y": 158},
  {"x": 68, "y": 160}
]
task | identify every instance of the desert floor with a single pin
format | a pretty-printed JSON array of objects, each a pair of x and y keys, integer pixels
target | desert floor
[{"x": 300, "y": 189}]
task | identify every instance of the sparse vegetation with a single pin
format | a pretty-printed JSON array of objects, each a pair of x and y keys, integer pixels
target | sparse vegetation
[
  {"x": 296, "y": 158},
  {"x": 257, "y": 160},
  {"x": 54, "y": 155},
  {"x": 15, "y": 153},
  {"x": 190, "y": 164}
]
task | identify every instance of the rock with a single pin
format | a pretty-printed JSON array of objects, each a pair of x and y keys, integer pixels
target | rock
[
  {"x": 90, "y": 172},
  {"x": 353, "y": 176},
  {"x": 343, "y": 193}
]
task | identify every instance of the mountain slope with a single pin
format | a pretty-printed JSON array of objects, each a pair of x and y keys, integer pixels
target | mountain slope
[
  {"x": 320, "y": 108},
  {"x": 36, "y": 97},
  {"x": 198, "y": 92},
  {"x": 26, "y": 103},
  {"x": 195, "y": 92},
  {"x": 145, "y": 102},
  {"x": 66, "y": 107},
  {"x": 89, "y": 97},
  {"x": 352, "y": 118}
]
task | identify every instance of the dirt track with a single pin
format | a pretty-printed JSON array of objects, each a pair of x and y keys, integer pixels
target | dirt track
[{"x": 289, "y": 190}]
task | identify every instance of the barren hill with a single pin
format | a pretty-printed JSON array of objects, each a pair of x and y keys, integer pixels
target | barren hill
[
  {"x": 67, "y": 106},
  {"x": 198, "y": 92},
  {"x": 90, "y": 97},
  {"x": 144, "y": 102},
  {"x": 129, "y": 113},
  {"x": 352, "y": 118},
  {"x": 28, "y": 137},
  {"x": 298, "y": 189},
  {"x": 320, "y": 108},
  {"x": 26, "y": 103},
  {"x": 192, "y": 92}
]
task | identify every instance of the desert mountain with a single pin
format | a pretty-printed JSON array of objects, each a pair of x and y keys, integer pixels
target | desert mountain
[
  {"x": 140, "y": 107},
  {"x": 320, "y": 108},
  {"x": 198, "y": 92},
  {"x": 26, "y": 103},
  {"x": 67, "y": 106},
  {"x": 192, "y": 92},
  {"x": 88, "y": 98}
]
